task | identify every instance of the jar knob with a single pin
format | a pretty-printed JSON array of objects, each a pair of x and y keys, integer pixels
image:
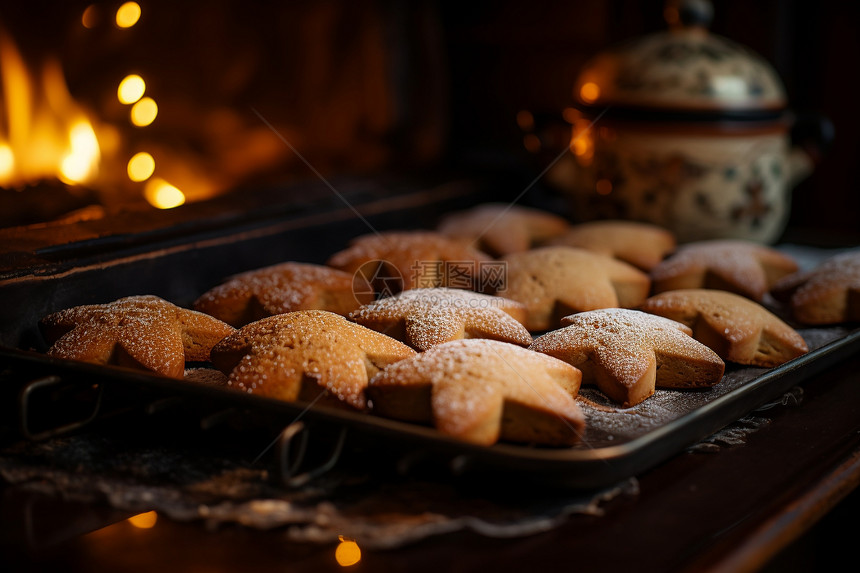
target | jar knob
[{"x": 688, "y": 13}]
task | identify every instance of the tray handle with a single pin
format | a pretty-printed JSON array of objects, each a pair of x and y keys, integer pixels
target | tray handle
[
  {"x": 291, "y": 452},
  {"x": 25, "y": 404}
]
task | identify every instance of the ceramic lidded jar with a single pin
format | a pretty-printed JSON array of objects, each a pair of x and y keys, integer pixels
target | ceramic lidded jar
[{"x": 684, "y": 129}]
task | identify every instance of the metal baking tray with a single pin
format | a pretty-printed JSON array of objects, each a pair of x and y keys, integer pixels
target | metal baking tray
[{"x": 618, "y": 443}]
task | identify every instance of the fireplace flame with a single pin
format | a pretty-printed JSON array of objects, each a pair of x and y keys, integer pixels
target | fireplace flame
[{"x": 44, "y": 134}]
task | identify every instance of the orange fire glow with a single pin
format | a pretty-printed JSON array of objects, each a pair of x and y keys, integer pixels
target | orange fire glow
[
  {"x": 347, "y": 552},
  {"x": 44, "y": 134},
  {"x": 144, "y": 520}
]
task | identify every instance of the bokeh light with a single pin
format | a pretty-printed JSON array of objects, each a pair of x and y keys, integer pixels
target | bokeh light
[
  {"x": 162, "y": 194},
  {"x": 131, "y": 89},
  {"x": 143, "y": 112},
  {"x": 141, "y": 166},
  {"x": 91, "y": 16},
  {"x": 144, "y": 520},
  {"x": 128, "y": 14},
  {"x": 347, "y": 552}
]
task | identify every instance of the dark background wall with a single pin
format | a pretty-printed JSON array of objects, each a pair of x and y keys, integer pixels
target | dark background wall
[
  {"x": 372, "y": 86},
  {"x": 510, "y": 55}
]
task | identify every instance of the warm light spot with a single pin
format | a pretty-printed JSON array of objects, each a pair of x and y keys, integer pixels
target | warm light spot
[
  {"x": 603, "y": 186},
  {"x": 525, "y": 120},
  {"x": 7, "y": 161},
  {"x": 589, "y": 92},
  {"x": 91, "y": 16},
  {"x": 579, "y": 146},
  {"x": 162, "y": 194},
  {"x": 144, "y": 520},
  {"x": 532, "y": 143},
  {"x": 570, "y": 115},
  {"x": 45, "y": 134},
  {"x": 141, "y": 166},
  {"x": 130, "y": 89},
  {"x": 82, "y": 160},
  {"x": 347, "y": 552},
  {"x": 128, "y": 14},
  {"x": 143, "y": 112}
]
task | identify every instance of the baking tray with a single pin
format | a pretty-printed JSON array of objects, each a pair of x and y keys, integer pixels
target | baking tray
[{"x": 618, "y": 443}]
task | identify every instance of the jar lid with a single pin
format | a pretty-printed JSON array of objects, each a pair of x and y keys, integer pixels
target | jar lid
[{"x": 684, "y": 70}]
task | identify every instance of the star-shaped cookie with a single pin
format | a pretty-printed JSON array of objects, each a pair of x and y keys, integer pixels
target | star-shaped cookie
[
  {"x": 481, "y": 391},
  {"x": 426, "y": 317},
  {"x": 737, "y": 329},
  {"x": 300, "y": 355},
  {"x": 500, "y": 229},
  {"x": 404, "y": 260},
  {"x": 556, "y": 281},
  {"x": 144, "y": 332},
  {"x": 628, "y": 352},
  {"x": 281, "y": 288},
  {"x": 643, "y": 245},
  {"x": 827, "y": 294},
  {"x": 741, "y": 267}
]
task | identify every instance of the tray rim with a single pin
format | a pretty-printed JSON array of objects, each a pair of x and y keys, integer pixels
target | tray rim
[{"x": 576, "y": 466}]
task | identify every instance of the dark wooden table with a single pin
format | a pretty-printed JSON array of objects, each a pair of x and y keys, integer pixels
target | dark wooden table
[{"x": 774, "y": 502}]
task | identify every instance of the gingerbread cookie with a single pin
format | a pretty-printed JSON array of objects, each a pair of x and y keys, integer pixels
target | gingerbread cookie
[
  {"x": 553, "y": 282},
  {"x": 281, "y": 288},
  {"x": 481, "y": 391},
  {"x": 628, "y": 352},
  {"x": 309, "y": 355},
  {"x": 144, "y": 332},
  {"x": 827, "y": 294},
  {"x": 741, "y": 267},
  {"x": 736, "y": 328},
  {"x": 642, "y": 245},
  {"x": 396, "y": 261},
  {"x": 500, "y": 229},
  {"x": 426, "y": 317}
]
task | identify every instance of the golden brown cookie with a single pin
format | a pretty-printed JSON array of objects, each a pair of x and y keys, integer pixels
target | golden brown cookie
[
  {"x": 500, "y": 228},
  {"x": 144, "y": 332},
  {"x": 827, "y": 294},
  {"x": 426, "y": 317},
  {"x": 481, "y": 391},
  {"x": 305, "y": 354},
  {"x": 556, "y": 281},
  {"x": 741, "y": 267},
  {"x": 628, "y": 352},
  {"x": 396, "y": 261},
  {"x": 281, "y": 288},
  {"x": 643, "y": 245},
  {"x": 736, "y": 328}
]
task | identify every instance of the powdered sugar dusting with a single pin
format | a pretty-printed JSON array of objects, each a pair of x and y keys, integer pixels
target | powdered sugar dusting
[
  {"x": 582, "y": 280},
  {"x": 641, "y": 244},
  {"x": 436, "y": 315},
  {"x": 152, "y": 333},
  {"x": 609, "y": 424},
  {"x": 281, "y": 288},
  {"x": 745, "y": 267},
  {"x": 623, "y": 341},
  {"x": 472, "y": 378},
  {"x": 502, "y": 228},
  {"x": 749, "y": 332},
  {"x": 410, "y": 252},
  {"x": 275, "y": 354},
  {"x": 831, "y": 280}
]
